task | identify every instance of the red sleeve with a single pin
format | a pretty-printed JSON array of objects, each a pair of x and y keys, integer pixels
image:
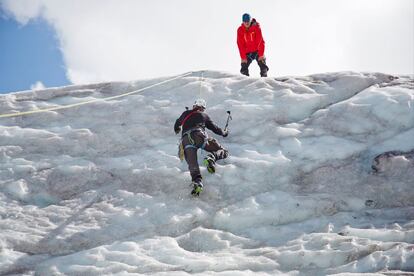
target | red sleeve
[
  {"x": 240, "y": 43},
  {"x": 260, "y": 42}
]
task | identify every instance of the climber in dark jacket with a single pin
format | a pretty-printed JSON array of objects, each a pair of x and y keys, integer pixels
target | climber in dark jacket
[{"x": 194, "y": 123}]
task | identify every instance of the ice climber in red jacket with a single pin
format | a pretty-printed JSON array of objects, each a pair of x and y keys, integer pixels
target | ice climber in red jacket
[{"x": 251, "y": 45}]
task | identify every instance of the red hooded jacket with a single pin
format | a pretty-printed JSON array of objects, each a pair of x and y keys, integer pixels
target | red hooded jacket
[{"x": 250, "y": 39}]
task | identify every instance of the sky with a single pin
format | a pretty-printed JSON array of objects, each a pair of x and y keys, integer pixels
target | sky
[
  {"x": 30, "y": 56},
  {"x": 91, "y": 41}
]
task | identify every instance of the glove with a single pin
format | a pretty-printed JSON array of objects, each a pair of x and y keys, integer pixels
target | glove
[
  {"x": 225, "y": 133},
  {"x": 177, "y": 130}
]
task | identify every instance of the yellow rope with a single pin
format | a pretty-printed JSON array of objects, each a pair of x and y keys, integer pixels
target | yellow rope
[{"x": 91, "y": 101}]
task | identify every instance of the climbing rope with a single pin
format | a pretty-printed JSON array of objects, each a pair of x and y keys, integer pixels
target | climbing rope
[
  {"x": 91, "y": 101},
  {"x": 201, "y": 81}
]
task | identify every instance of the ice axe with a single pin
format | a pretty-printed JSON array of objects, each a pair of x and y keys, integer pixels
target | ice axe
[{"x": 228, "y": 119}]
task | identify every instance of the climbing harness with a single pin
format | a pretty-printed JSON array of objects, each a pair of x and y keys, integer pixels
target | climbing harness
[{"x": 192, "y": 144}]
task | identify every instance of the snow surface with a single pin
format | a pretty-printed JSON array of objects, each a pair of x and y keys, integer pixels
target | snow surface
[{"x": 320, "y": 179}]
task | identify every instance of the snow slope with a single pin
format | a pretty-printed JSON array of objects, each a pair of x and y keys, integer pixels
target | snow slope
[{"x": 320, "y": 179}]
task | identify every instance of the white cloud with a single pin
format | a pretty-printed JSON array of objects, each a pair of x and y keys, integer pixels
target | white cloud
[
  {"x": 22, "y": 10},
  {"x": 104, "y": 40},
  {"x": 37, "y": 86}
]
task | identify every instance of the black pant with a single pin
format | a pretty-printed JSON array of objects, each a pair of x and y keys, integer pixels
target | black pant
[
  {"x": 190, "y": 153},
  {"x": 262, "y": 64}
]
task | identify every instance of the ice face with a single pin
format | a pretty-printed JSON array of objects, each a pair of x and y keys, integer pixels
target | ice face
[{"x": 319, "y": 179}]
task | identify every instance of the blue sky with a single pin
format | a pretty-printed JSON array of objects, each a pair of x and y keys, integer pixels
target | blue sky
[{"x": 29, "y": 54}]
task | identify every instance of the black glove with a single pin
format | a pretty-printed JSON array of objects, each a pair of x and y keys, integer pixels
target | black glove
[{"x": 225, "y": 133}]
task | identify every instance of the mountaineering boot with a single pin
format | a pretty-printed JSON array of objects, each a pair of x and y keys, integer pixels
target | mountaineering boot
[
  {"x": 210, "y": 163},
  {"x": 244, "y": 69},
  {"x": 197, "y": 188},
  {"x": 263, "y": 68}
]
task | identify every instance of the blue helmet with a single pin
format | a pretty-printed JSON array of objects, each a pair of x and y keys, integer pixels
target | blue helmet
[{"x": 246, "y": 17}]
